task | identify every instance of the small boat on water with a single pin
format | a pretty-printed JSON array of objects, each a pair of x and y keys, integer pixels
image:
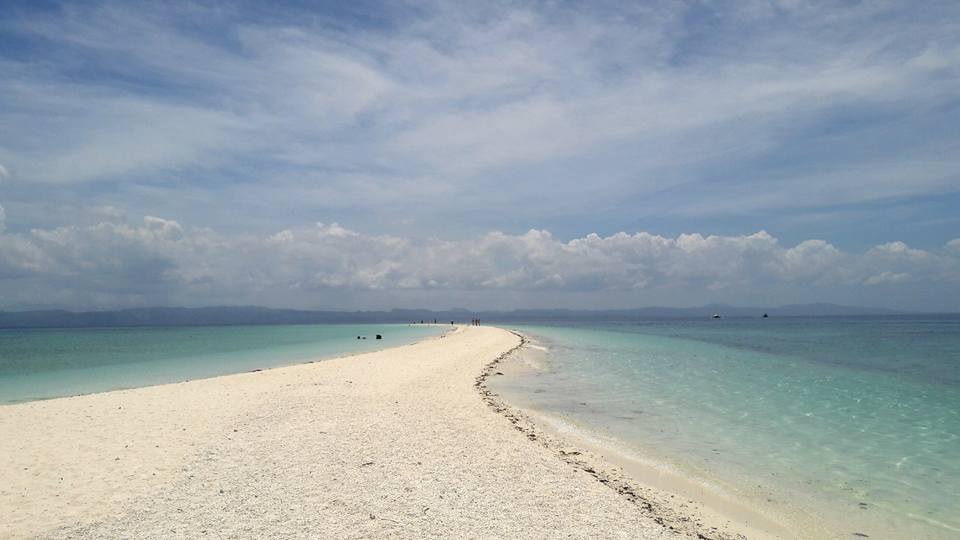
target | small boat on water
[{"x": 716, "y": 315}]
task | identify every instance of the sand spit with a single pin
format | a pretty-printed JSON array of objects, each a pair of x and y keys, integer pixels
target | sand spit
[{"x": 391, "y": 444}]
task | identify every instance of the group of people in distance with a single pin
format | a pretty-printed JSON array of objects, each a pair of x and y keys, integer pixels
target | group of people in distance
[{"x": 475, "y": 322}]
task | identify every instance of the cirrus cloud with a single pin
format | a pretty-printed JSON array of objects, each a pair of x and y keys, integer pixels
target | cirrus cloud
[
  {"x": 795, "y": 136},
  {"x": 558, "y": 114}
]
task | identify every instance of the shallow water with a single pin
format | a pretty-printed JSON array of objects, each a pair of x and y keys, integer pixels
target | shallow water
[
  {"x": 851, "y": 422},
  {"x": 47, "y": 363}
]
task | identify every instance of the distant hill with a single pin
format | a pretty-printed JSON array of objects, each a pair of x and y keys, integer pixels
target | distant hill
[
  {"x": 250, "y": 315},
  {"x": 204, "y": 316},
  {"x": 725, "y": 310}
]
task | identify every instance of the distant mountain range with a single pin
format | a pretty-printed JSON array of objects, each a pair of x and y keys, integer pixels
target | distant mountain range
[{"x": 243, "y": 315}]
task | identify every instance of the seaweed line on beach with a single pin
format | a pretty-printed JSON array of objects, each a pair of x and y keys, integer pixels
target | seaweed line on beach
[{"x": 607, "y": 474}]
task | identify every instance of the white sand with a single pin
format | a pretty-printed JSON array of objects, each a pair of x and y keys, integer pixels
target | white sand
[{"x": 396, "y": 443}]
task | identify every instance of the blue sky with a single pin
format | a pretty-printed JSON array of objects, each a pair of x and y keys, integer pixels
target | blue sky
[{"x": 376, "y": 155}]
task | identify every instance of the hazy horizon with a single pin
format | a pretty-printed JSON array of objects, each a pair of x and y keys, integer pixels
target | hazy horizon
[
  {"x": 822, "y": 307},
  {"x": 364, "y": 156}
]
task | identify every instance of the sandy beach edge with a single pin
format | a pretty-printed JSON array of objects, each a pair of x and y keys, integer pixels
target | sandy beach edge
[
  {"x": 674, "y": 501},
  {"x": 311, "y": 360},
  {"x": 147, "y": 462},
  {"x": 394, "y": 443}
]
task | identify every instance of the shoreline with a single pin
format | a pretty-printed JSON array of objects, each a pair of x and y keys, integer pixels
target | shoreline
[
  {"x": 285, "y": 363},
  {"x": 227, "y": 406},
  {"x": 588, "y": 398},
  {"x": 393, "y": 443},
  {"x": 672, "y": 500}
]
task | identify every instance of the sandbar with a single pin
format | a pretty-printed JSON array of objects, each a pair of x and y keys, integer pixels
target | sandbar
[{"x": 399, "y": 443}]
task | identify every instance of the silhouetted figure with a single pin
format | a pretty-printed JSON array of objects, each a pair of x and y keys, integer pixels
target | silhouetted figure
[{"x": 379, "y": 336}]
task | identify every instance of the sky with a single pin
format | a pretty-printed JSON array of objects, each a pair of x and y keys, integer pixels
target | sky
[{"x": 487, "y": 155}]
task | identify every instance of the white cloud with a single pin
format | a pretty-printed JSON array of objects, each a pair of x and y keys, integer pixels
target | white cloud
[
  {"x": 463, "y": 95},
  {"x": 114, "y": 137},
  {"x": 164, "y": 260},
  {"x": 887, "y": 278},
  {"x": 465, "y": 119}
]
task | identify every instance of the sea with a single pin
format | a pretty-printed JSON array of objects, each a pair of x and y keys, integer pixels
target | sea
[
  {"x": 847, "y": 425},
  {"x": 844, "y": 425},
  {"x": 48, "y": 363}
]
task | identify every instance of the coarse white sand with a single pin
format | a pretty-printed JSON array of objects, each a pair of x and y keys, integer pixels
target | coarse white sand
[{"x": 396, "y": 443}]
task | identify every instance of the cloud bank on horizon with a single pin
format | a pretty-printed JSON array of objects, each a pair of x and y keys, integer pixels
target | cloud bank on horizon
[
  {"x": 162, "y": 262},
  {"x": 448, "y": 138}
]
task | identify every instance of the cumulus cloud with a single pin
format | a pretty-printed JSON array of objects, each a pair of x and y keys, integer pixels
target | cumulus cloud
[
  {"x": 162, "y": 259},
  {"x": 886, "y": 278},
  {"x": 519, "y": 116}
]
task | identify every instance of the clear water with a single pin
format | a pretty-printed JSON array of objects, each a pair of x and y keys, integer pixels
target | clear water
[
  {"x": 43, "y": 363},
  {"x": 850, "y": 422}
]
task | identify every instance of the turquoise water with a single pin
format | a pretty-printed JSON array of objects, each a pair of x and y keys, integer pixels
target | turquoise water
[
  {"x": 42, "y": 363},
  {"x": 850, "y": 423}
]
